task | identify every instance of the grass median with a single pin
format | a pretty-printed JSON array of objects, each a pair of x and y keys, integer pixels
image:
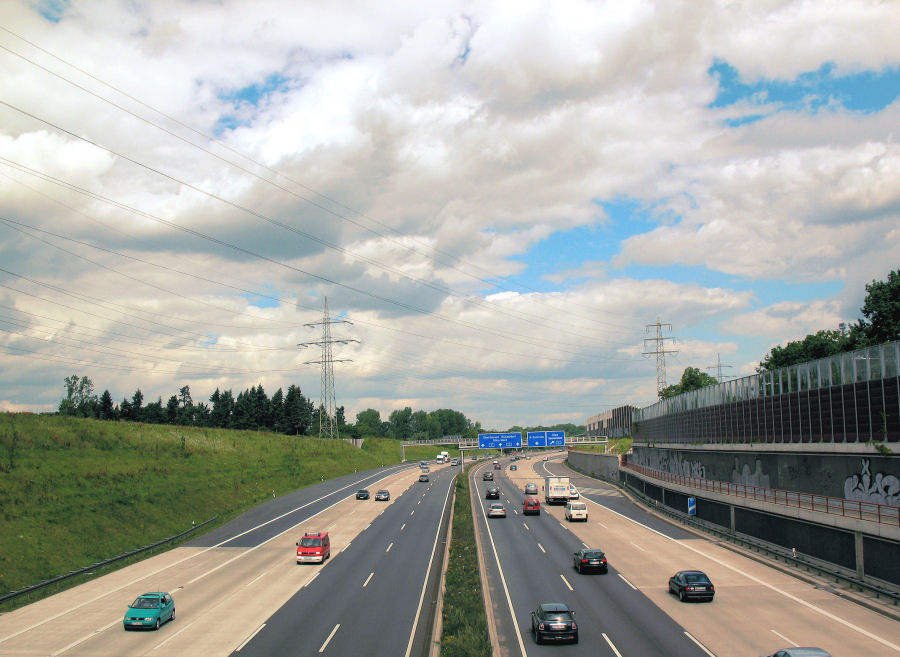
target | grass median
[{"x": 464, "y": 631}]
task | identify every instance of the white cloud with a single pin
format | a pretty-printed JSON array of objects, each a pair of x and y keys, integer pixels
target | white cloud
[{"x": 449, "y": 142}]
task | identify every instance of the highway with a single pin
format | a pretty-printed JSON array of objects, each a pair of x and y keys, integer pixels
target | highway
[
  {"x": 629, "y": 612},
  {"x": 238, "y": 590}
]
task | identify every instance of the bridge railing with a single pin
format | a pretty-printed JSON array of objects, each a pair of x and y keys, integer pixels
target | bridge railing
[{"x": 861, "y": 510}]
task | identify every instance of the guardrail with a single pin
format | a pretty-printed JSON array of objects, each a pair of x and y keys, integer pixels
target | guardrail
[
  {"x": 100, "y": 564},
  {"x": 870, "y": 511}
]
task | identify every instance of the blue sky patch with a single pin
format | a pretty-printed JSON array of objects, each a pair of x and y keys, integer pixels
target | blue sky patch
[
  {"x": 52, "y": 10},
  {"x": 250, "y": 95},
  {"x": 866, "y": 91},
  {"x": 269, "y": 299}
]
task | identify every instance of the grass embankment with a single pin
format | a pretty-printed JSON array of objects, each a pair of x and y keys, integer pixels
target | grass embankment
[
  {"x": 615, "y": 446},
  {"x": 464, "y": 632},
  {"x": 75, "y": 491}
]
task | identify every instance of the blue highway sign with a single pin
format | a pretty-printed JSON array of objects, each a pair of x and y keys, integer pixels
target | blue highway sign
[
  {"x": 537, "y": 438},
  {"x": 556, "y": 438},
  {"x": 499, "y": 440},
  {"x": 692, "y": 506}
]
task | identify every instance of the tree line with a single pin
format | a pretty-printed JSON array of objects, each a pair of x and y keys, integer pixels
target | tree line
[{"x": 289, "y": 413}]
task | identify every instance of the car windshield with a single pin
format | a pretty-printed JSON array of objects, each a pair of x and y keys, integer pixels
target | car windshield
[
  {"x": 363, "y": 492},
  {"x": 696, "y": 578},
  {"x": 557, "y": 615},
  {"x": 593, "y": 554},
  {"x": 146, "y": 603},
  {"x": 310, "y": 542}
]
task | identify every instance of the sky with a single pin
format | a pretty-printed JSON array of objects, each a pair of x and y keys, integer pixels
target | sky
[{"x": 499, "y": 200}]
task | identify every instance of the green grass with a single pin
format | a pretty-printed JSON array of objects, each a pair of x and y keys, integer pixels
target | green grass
[
  {"x": 464, "y": 632},
  {"x": 616, "y": 446},
  {"x": 75, "y": 491}
]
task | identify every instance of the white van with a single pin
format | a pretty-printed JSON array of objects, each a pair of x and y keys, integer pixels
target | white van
[{"x": 576, "y": 511}]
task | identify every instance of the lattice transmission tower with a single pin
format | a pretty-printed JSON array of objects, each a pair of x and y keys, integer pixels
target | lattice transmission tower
[
  {"x": 718, "y": 368},
  {"x": 328, "y": 426},
  {"x": 660, "y": 351}
]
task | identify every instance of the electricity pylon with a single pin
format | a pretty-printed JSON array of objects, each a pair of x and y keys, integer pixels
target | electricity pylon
[
  {"x": 328, "y": 426},
  {"x": 660, "y": 352}
]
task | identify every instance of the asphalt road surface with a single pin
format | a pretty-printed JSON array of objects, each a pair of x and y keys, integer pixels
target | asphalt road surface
[
  {"x": 629, "y": 612},
  {"x": 239, "y": 589}
]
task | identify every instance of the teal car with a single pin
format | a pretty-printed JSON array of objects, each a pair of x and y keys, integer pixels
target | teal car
[{"x": 149, "y": 610}]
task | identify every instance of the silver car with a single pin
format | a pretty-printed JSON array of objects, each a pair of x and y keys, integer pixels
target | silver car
[{"x": 531, "y": 489}]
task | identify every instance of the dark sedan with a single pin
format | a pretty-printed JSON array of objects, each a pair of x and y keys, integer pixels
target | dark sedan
[
  {"x": 554, "y": 621},
  {"x": 691, "y": 585},
  {"x": 801, "y": 652},
  {"x": 493, "y": 493},
  {"x": 585, "y": 561},
  {"x": 362, "y": 494},
  {"x": 488, "y": 476}
]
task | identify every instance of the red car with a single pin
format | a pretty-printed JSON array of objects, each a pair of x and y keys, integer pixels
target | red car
[
  {"x": 532, "y": 506},
  {"x": 314, "y": 547}
]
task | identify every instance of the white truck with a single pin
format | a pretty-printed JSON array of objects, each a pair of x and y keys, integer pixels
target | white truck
[
  {"x": 556, "y": 490},
  {"x": 443, "y": 457}
]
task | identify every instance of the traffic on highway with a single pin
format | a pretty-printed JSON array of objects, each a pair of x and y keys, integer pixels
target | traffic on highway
[{"x": 568, "y": 564}]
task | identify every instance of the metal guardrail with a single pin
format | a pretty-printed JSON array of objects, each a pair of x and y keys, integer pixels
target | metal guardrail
[
  {"x": 870, "y": 511},
  {"x": 100, "y": 564}
]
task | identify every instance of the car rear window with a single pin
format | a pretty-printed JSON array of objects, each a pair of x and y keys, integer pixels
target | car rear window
[
  {"x": 579, "y": 507},
  {"x": 695, "y": 578}
]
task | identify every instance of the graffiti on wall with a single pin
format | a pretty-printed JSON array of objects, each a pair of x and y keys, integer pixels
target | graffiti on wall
[
  {"x": 742, "y": 474},
  {"x": 672, "y": 462},
  {"x": 881, "y": 489}
]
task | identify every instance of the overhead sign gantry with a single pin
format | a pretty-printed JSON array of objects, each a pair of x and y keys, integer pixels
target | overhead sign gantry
[
  {"x": 500, "y": 440},
  {"x": 546, "y": 438}
]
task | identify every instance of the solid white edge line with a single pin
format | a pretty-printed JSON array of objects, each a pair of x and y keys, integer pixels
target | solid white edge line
[
  {"x": 437, "y": 534},
  {"x": 793, "y": 643},
  {"x": 565, "y": 581},
  {"x": 626, "y": 581},
  {"x": 699, "y": 645},
  {"x": 322, "y": 649},
  {"x": 512, "y": 612},
  {"x": 611, "y": 645},
  {"x": 192, "y": 556},
  {"x": 752, "y": 578},
  {"x": 250, "y": 638}
]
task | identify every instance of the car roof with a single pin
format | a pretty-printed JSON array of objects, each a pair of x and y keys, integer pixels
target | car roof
[{"x": 807, "y": 652}]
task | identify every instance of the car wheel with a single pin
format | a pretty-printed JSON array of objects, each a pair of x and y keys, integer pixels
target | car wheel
[
  {"x": 173, "y": 614},
  {"x": 575, "y": 640},
  {"x": 681, "y": 595},
  {"x": 156, "y": 627}
]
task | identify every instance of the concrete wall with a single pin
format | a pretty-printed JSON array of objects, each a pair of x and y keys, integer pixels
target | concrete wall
[
  {"x": 870, "y": 478},
  {"x": 603, "y": 466}
]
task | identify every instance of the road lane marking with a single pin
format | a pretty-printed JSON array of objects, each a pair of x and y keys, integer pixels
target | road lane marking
[
  {"x": 525, "y": 525},
  {"x": 542, "y": 548},
  {"x": 761, "y": 582},
  {"x": 602, "y": 525},
  {"x": 699, "y": 645},
  {"x": 403, "y": 526},
  {"x": 371, "y": 575},
  {"x": 412, "y": 512},
  {"x": 166, "y": 640},
  {"x": 86, "y": 637},
  {"x": 565, "y": 581},
  {"x": 627, "y": 582},
  {"x": 793, "y": 643},
  {"x": 322, "y": 649},
  {"x": 611, "y": 645},
  {"x": 412, "y": 634},
  {"x": 637, "y": 546},
  {"x": 389, "y": 547},
  {"x": 249, "y": 638}
]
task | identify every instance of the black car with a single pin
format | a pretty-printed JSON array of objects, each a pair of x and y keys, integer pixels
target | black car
[
  {"x": 382, "y": 496},
  {"x": 488, "y": 476},
  {"x": 554, "y": 621},
  {"x": 493, "y": 493},
  {"x": 423, "y": 477},
  {"x": 691, "y": 585},
  {"x": 587, "y": 560},
  {"x": 362, "y": 494}
]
